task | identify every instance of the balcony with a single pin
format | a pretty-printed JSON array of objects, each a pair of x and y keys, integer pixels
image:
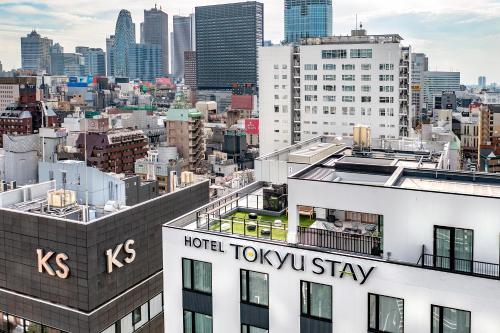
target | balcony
[{"x": 459, "y": 266}]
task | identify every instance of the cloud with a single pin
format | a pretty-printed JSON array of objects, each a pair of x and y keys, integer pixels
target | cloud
[{"x": 459, "y": 34}]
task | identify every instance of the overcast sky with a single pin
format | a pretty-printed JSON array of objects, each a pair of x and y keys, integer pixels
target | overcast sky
[{"x": 461, "y": 35}]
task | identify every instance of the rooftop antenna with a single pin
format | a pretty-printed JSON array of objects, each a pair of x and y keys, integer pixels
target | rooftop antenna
[{"x": 356, "y": 28}]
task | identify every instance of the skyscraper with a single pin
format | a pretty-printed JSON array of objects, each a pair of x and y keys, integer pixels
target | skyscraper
[
  {"x": 95, "y": 62},
  {"x": 435, "y": 83},
  {"x": 35, "y": 52},
  {"x": 124, "y": 43},
  {"x": 419, "y": 65},
  {"x": 57, "y": 59},
  {"x": 307, "y": 18},
  {"x": 146, "y": 62},
  {"x": 155, "y": 31},
  {"x": 182, "y": 41},
  {"x": 227, "y": 38},
  {"x": 110, "y": 59},
  {"x": 481, "y": 82}
]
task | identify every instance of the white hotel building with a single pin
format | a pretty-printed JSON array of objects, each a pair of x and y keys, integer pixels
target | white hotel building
[
  {"x": 371, "y": 243},
  {"x": 327, "y": 85}
]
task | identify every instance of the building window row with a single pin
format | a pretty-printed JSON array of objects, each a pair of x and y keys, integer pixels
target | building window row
[
  {"x": 361, "y": 53},
  {"x": 139, "y": 317},
  {"x": 13, "y": 324}
]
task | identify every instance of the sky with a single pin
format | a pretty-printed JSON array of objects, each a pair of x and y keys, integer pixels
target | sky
[{"x": 458, "y": 35}]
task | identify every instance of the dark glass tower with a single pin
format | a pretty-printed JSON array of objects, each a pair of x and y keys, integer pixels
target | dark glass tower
[
  {"x": 307, "y": 18},
  {"x": 123, "y": 44},
  {"x": 227, "y": 37}
]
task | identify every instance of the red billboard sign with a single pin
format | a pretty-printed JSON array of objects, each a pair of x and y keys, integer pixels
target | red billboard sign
[{"x": 252, "y": 126}]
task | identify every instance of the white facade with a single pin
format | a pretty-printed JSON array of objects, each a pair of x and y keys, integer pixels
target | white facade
[
  {"x": 9, "y": 94},
  {"x": 331, "y": 86},
  {"x": 413, "y": 204}
]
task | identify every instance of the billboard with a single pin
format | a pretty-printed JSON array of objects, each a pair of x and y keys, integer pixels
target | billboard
[{"x": 252, "y": 126}]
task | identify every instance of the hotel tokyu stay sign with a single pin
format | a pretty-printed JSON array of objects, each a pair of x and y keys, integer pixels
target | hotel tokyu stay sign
[{"x": 279, "y": 260}]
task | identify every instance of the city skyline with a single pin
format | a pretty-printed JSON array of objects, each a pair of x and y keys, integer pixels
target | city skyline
[{"x": 441, "y": 30}]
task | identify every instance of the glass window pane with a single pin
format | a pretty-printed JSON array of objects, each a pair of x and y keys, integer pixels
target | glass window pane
[
  {"x": 143, "y": 319},
  {"x": 463, "y": 250},
  {"x": 244, "y": 285},
  {"x": 31, "y": 327},
  {"x": 390, "y": 314},
  {"x": 126, "y": 324},
  {"x": 16, "y": 324},
  {"x": 258, "y": 289},
  {"x": 3, "y": 322},
  {"x": 188, "y": 322},
  {"x": 372, "y": 311},
  {"x": 305, "y": 295},
  {"x": 253, "y": 329},
  {"x": 456, "y": 321},
  {"x": 155, "y": 305},
  {"x": 186, "y": 273},
  {"x": 435, "y": 319},
  {"x": 202, "y": 323},
  {"x": 202, "y": 276},
  {"x": 321, "y": 301}
]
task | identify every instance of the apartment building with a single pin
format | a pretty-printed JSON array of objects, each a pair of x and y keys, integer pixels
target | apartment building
[
  {"x": 327, "y": 85},
  {"x": 366, "y": 243},
  {"x": 489, "y": 138}
]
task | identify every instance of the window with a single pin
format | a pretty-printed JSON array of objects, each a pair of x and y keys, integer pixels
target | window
[
  {"x": 197, "y": 323},
  {"x": 348, "y": 88},
  {"x": 366, "y": 99},
  {"x": 448, "y": 320},
  {"x": 366, "y": 88},
  {"x": 386, "y": 77},
  {"x": 334, "y": 54},
  {"x": 254, "y": 287},
  {"x": 311, "y": 98},
  {"x": 329, "y": 67},
  {"x": 316, "y": 300},
  {"x": 386, "y": 67},
  {"x": 136, "y": 316},
  {"x": 385, "y": 314},
  {"x": 386, "y": 99},
  {"x": 348, "y": 67},
  {"x": 284, "y": 66},
  {"x": 329, "y": 88},
  {"x": 361, "y": 53},
  {"x": 310, "y": 87},
  {"x": 276, "y": 108},
  {"x": 310, "y": 77},
  {"x": 381, "y": 112},
  {"x": 366, "y": 67},
  {"x": 348, "y": 99},
  {"x": 386, "y": 88},
  {"x": 252, "y": 329},
  {"x": 197, "y": 275},
  {"x": 155, "y": 305},
  {"x": 329, "y": 98},
  {"x": 453, "y": 248},
  {"x": 310, "y": 67},
  {"x": 352, "y": 111},
  {"x": 348, "y": 77},
  {"x": 366, "y": 77}
]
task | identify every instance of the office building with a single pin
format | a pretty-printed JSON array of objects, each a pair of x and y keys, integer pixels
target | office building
[
  {"x": 110, "y": 58},
  {"x": 481, "y": 82},
  {"x": 330, "y": 84},
  {"x": 190, "y": 70},
  {"x": 65, "y": 268},
  {"x": 123, "y": 44},
  {"x": 184, "y": 30},
  {"x": 57, "y": 59},
  {"x": 307, "y": 19},
  {"x": 419, "y": 65},
  {"x": 435, "y": 83},
  {"x": 14, "y": 90},
  {"x": 184, "y": 129},
  {"x": 35, "y": 53},
  {"x": 146, "y": 62},
  {"x": 227, "y": 39},
  {"x": 155, "y": 31},
  {"x": 489, "y": 138},
  {"x": 352, "y": 243},
  {"x": 95, "y": 60}
]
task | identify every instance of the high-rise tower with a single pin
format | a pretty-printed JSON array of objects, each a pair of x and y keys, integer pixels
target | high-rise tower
[
  {"x": 35, "y": 52},
  {"x": 182, "y": 42},
  {"x": 124, "y": 43},
  {"x": 155, "y": 31},
  {"x": 306, "y": 18}
]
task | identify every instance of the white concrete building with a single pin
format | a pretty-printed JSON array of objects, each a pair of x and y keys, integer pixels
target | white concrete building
[
  {"x": 327, "y": 85},
  {"x": 369, "y": 245}
]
